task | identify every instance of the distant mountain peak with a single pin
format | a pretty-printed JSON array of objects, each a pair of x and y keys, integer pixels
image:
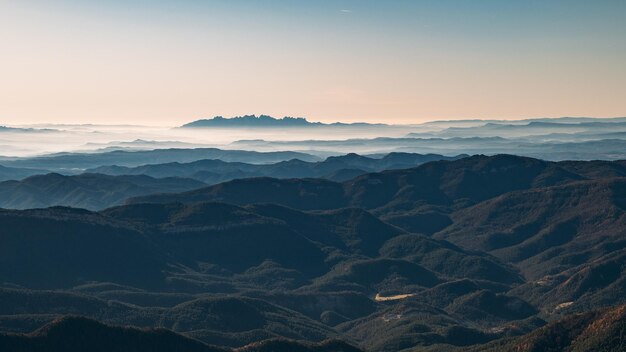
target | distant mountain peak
[
  {"x": 251, "y": 121},
  {"x": 267, "y": 121}
]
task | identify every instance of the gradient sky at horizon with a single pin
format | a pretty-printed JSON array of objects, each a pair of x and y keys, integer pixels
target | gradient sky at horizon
[{"x": 168, "y": 62}]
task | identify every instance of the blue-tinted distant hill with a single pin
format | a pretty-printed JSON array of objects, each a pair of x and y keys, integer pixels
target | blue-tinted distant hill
[
  {"x": 336, "y": 168},
  {"x": 12, "y": 173},
  {"x": 73, "y": 162},
  {"x": 265, "y": 121},
  {"x": 29, "y": 130}
]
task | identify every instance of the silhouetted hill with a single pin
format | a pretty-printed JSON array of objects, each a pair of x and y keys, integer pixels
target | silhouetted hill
[
  {"x": 425, "y": 193},
  {"x": 12, "y": 173},
  {"x": 80, "y": 334},
  {"x": 264, "y": 121},
  {"x": 251, "y": 121},
  {"x": 296, "y": 193},
  {"x": 474, "y": 178},
  {"x": 72, "y": 162},
  {"x": 334, "y": 168},
  {"x": 278, "y": 345},
  {"x": 89, "y": 191},
  {"x": 71, "y": 334},
  {"x": 224, "y": 320}
]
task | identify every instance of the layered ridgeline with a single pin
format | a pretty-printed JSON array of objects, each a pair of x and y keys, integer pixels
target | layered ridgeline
[
  {"x": 550, "y": 139},
  {"x": 336, "y": 168},
  {"x": 464, "y": 254},
  {"x": 77, "y": 162},
  {"x": 593, "y": 331},
  {"x": 420, "y": 199},
  {"x": 13, "y": 173},
  {"x": 75, "y": 334},
  {"x": 107, "y": 186},
  {"x": 229, "y": 275}
]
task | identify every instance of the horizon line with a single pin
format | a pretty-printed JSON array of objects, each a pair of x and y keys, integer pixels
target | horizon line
[{"x": 468, "y": 119}]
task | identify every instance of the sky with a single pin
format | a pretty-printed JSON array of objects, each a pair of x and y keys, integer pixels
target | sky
[{"x": 159, "y": 62}]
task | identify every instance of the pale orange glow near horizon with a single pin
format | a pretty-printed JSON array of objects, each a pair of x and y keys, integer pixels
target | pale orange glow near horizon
[{"x": 67, "y": 63}]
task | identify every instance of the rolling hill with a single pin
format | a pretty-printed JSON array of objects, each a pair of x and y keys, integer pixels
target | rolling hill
[
  {"x": 78, "y": 162},
  {"x": 89, "y": 191},
  {"x": 480, "y": 253},
  {"x": 69, "y": 334},
  {"x": 12, "y": 173},
  {"x": 338, "y": 168}
]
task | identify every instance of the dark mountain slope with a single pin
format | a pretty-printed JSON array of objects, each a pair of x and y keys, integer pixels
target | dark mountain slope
[
  {"x": 506, "y": 245},
  {"x": 210, "y": 171},
  {"x": 600, "y": 282},
  {"x": 350, "y": 229},
  {"x": 190, "y": 267},
  {"x": 89, "y": 191},
  {"x": 71, "y": 334},
  {"x": 277, "y": 345},
  {"x": 141, "y": 245},
  {"x": 234, "y": 238},
  {"x": 410, "y": 324},
  {"x": 546, "y": 230},
  {"x": 569, "y": 241},
  {"x": 80, "y": 334},
  {"x": 487, "y": 306},
  {"x": 305, "y": 194},
  {"x": 214, "y": 232},
  {"x": 222, "y": 320},
  {"x": 238, "y": 321},
  {"x": 470, "y": 179},
  {"x": 331, "y": 308},
  {"x": 417, "y": 199},
  {"x": 58, "y": 247},
  {"x": 438, "y": 183},
  {"x": 342, "y": 175},
  {"x": 377, "y": 275},
  {"x": 601, "y": 331},
  {"x": 449, "y": 260},
  {"x": 596, "y": 169}
]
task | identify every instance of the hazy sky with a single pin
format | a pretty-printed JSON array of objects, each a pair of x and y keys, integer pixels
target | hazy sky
[{"x": 169, "y": 62}]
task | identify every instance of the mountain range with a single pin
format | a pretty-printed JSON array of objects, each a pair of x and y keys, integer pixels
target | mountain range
[
  {"x": 265, "y": 121},
  {"x": 107, "y": 186},
  {"x": 554, "y": 146},
  {"x": 478, "y": 253},
  {"x": 337, "y": 168},
  {"x": 77, "y": 162},
  {"x": 12, "y": 173}
]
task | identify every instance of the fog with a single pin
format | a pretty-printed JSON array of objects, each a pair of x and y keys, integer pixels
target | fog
[
  {"x": 551, "y": 139},
  {"x": 24, "y": 141}
]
